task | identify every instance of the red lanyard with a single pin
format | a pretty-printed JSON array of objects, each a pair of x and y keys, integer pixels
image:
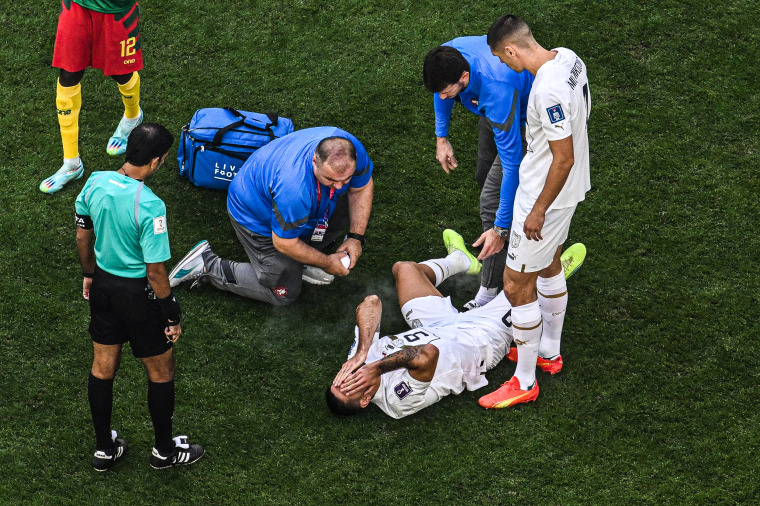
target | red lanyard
[{"x": 319, "y": 200}]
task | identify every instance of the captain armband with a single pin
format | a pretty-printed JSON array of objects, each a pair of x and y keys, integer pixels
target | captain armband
[
  {"x": 83, "y": 221},
  {"x": 170, "y": 310}
]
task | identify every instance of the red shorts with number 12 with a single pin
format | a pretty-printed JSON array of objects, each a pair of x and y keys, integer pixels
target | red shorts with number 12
[{"x": 110, "y": 42}]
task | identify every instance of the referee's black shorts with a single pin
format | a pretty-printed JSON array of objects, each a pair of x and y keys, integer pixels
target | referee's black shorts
[{"x": 121, "y": 310}]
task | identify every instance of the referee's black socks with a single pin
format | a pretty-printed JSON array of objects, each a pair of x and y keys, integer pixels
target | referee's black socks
[
  {"x": 100, "y": 395},
  {"x": 161, "y": 407}
]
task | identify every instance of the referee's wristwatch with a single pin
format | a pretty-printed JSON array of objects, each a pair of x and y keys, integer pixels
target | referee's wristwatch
[{"x": 501, "y": 232}]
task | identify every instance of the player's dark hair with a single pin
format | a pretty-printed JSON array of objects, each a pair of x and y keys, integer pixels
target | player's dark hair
[
  {"x": 146, "y": 142},
  {"x": 340, "y": 407},
  {"x": 506, "y": 27},
  {"x": 443, "y": 67}
]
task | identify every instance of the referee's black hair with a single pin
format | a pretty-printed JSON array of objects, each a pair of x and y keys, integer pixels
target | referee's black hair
[
  {"x": 146, "y": 142},
  {"x": 443, "y": 67},
  {"x": 339, "y": 407}
]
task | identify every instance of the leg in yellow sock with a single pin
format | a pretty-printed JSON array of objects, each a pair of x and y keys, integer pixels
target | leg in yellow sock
[
  {"x": 130, "y": 95},
  {"x": 68, "y": 102}
]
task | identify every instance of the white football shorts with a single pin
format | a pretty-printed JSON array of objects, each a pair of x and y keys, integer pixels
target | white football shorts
[
  {"x": 489, "y": 327},
  {"x": 531, "y": 256}
]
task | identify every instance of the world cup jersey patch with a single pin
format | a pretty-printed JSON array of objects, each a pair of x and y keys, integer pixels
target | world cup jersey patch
[
  {"x": 555, "y": 113},
  {"x": 402, "y": 390},
  {"x": 159, "y": 225}
]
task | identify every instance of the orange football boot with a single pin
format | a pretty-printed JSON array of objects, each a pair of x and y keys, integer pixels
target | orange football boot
[
  {"x": 508, "y": 395},
  {"x": 552, "y": 366}
]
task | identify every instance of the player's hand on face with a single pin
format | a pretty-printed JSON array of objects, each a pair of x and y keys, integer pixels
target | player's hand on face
[
  {"x": 173, "y": 332},
  {"x": 358, "y": 381},
  {"x": 444, "y": 153},
  {"x": 349, "y": 367},
  {"x": 354, "y": 249},
  {"x": 86, "y": 284},
  {"x": 533, "y": 225},
  {"x": 492, "y": 243},
  {"x": 335, "y": 267}
]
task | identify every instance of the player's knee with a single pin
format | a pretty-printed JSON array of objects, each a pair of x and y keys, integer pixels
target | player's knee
[
  {"x": 160, "y": 367},
  {"x": 68, "y": 79},
  {"x": 123, "y": 79},
  {"x": 282, "y": 301},
  {"x": 162, "y": 375},
  {"x": 517, "y": 293},
  {"x": 402, "y": 266},
  {"x": 103, "y": 370}
]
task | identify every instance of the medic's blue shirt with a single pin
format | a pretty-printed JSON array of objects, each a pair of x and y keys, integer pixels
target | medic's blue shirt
[
  {"x": 500, "y": 95},
  {"x": 276, "y": 190}
]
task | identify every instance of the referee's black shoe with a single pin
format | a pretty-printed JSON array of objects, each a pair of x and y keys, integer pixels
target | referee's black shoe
[
  {"x": 104, "y": 460},
  {"x": 184, "y": 454}
]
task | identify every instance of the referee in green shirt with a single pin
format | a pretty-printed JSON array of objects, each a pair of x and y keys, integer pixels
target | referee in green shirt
[{"x": 123, "y": 242}]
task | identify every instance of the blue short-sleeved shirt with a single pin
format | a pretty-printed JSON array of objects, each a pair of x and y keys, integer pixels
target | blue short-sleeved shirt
[
  {"x": 129, "y": 222},
  {"x": 276, "y": 191}
]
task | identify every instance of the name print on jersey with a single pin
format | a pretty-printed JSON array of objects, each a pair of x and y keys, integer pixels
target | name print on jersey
[{"x": 574, "y": 73}]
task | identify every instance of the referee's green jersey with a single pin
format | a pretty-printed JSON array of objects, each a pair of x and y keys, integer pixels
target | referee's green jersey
[{"x": 129, "y": 222}]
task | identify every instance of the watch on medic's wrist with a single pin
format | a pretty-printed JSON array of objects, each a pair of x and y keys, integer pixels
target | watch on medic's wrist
[
  {"x": 501, "y": 232},
  {"x": 358, "y": 237}
]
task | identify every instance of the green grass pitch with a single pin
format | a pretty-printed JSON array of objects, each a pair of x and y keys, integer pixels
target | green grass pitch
[{"x": 656, "y": 403}]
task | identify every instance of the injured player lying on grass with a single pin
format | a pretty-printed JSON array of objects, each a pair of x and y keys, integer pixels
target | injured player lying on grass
[{"x": 444, "y": 352}]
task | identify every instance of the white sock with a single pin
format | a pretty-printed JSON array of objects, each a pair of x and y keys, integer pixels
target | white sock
[
  {"x": 131, "y": 121},
  {"x": 74, "y": 162},
  {"x": 552, "y": 299},
  {"x": 526, "y": 329},
  {"x": 485, "y": 295},
  {"x": 444, "y": 268}
]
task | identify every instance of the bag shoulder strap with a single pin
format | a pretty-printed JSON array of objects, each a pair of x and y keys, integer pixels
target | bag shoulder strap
[{"x": 273, "y": 119}]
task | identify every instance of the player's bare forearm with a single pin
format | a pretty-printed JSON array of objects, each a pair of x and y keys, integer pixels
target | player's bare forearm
[
  {"x": 420, "y": 361},
  {"x": 86, "y": 249},
  {"x": 562, "y": 161},
  {"x": 559, "y": 170},
  {"x": 368, "y": 316},
  {"x": 158, "y": 279}
]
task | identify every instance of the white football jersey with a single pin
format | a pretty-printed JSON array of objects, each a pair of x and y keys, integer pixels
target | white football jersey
[
  {"x": 559, "y": 106},
  {"x": 459, "y": 366}
]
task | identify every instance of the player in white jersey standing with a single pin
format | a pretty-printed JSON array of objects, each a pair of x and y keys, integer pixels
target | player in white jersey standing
[{"x": 554, "y": 177}]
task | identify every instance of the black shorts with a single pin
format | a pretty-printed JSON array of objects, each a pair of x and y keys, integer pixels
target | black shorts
[{"x": 123, "y": 309}]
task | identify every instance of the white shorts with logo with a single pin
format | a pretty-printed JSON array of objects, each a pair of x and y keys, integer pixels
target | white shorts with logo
[
  {"x": 531, "y": 256},
  {"x": 488, "y": 327}
]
